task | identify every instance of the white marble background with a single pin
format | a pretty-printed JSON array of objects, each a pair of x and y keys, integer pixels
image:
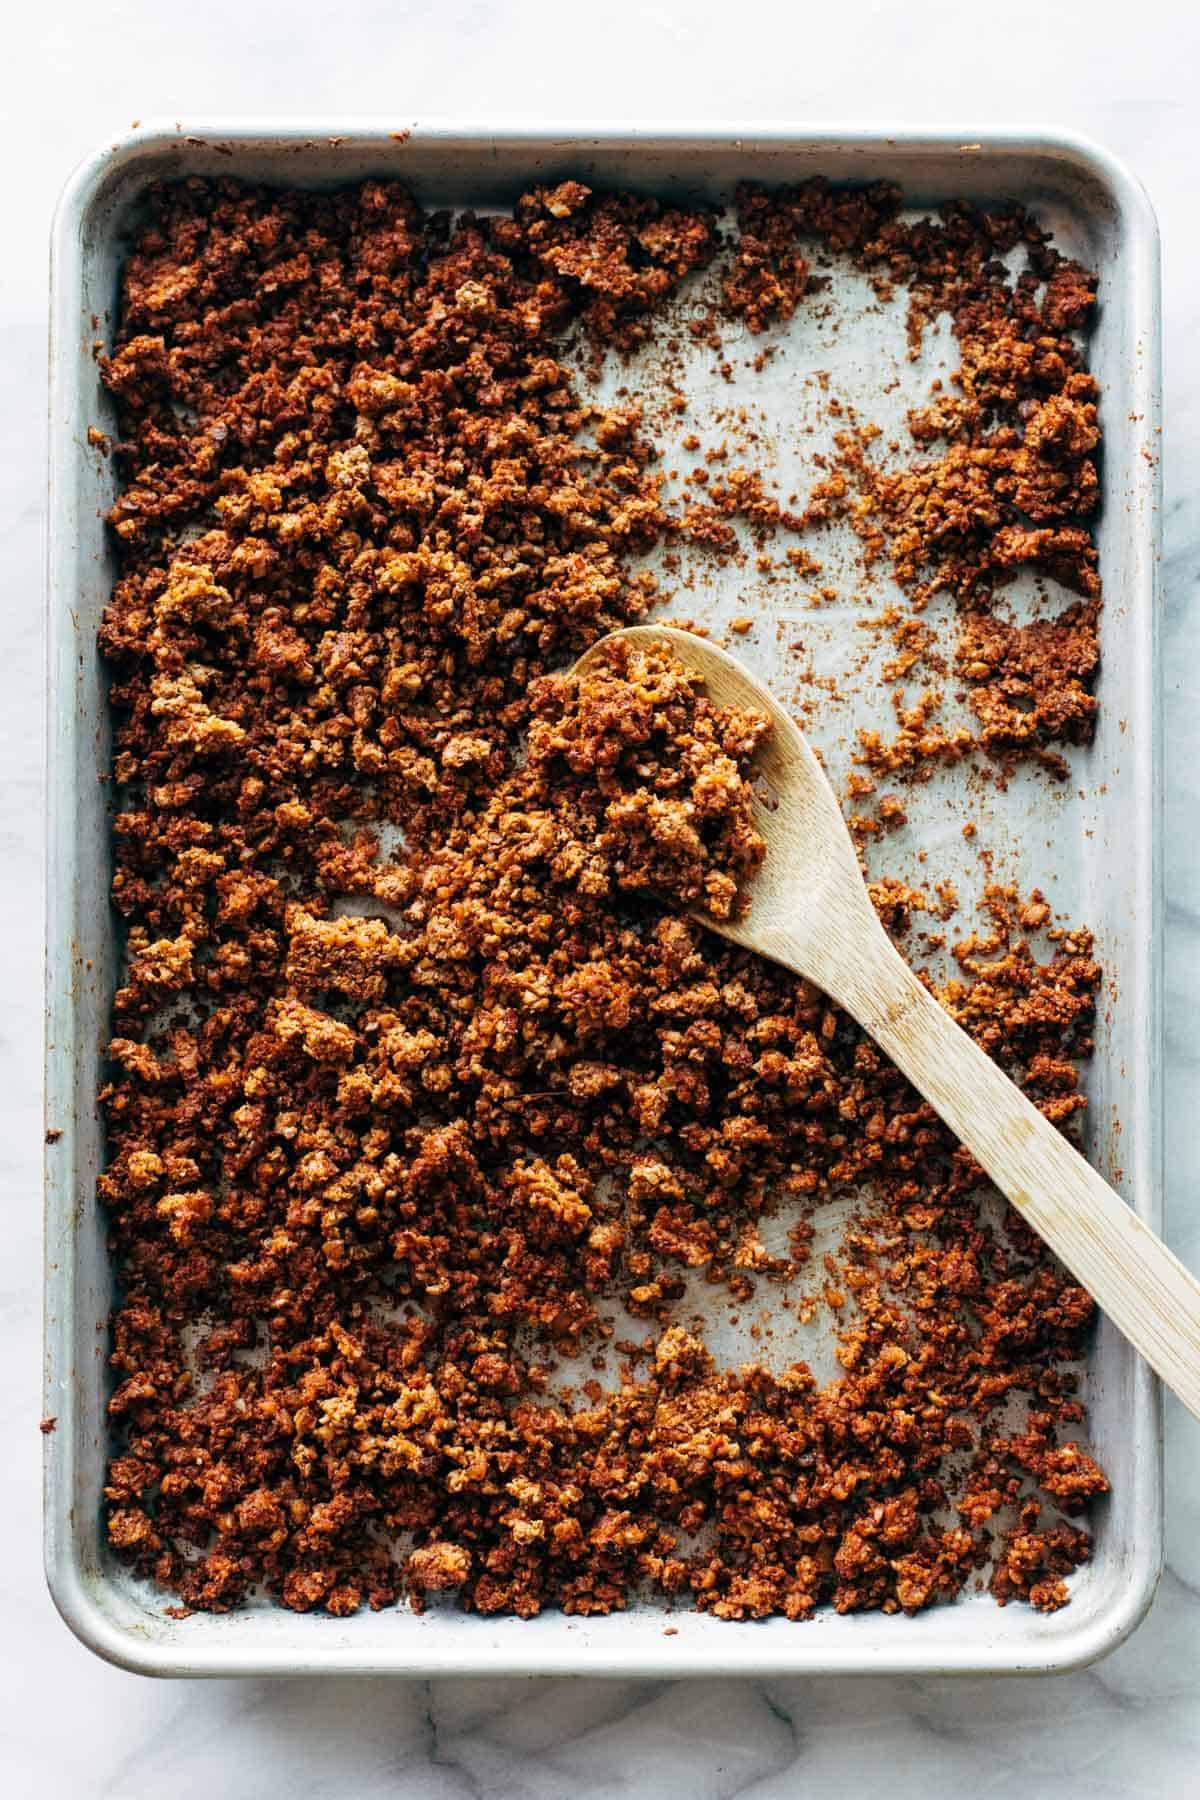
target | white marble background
[{"x": 72, "y": 1728}]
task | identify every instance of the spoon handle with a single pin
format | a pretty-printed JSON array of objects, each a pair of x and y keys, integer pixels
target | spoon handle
[{"x": 1130, "y": 1273}]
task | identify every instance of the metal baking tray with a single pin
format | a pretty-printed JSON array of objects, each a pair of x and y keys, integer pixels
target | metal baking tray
[{"x": 1092, "y": 843}]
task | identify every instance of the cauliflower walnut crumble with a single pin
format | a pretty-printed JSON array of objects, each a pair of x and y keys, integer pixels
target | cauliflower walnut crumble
[{"x": 393, "y": 1129}]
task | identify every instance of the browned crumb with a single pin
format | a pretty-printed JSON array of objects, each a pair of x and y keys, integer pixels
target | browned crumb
[
  {"x": 767, "y": 275},
  {"x": 1034, "y": 1563},
  {"x": 1009, "y": 478},
  {"x": 704, "y": 525},
  {"x": 1030, "y": 684},
  {"x": 667, "y": 807},
  {"x": 392, "y": 1129},
  {"x": 437, "y": 1567}
]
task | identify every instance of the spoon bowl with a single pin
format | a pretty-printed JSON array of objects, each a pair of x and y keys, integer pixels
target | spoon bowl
[{"x": 810, "y": 878}]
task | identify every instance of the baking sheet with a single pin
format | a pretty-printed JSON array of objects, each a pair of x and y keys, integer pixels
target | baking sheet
[{"x": 1089, "y": 843}]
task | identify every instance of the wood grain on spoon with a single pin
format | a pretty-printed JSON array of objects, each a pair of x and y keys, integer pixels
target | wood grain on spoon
[{"x": 809, "y": 910}]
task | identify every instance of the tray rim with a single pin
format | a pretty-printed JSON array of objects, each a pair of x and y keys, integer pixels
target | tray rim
[{"x": 70, "y": 1585}]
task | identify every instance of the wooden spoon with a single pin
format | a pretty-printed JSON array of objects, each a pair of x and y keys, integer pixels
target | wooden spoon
[{"x": 809, "y": 910}]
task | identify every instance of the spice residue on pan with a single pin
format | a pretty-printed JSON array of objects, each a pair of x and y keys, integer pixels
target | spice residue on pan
[{"x": 430, "y": 1112}]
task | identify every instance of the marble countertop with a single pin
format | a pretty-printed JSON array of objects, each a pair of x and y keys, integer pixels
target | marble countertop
[{"x": 72, "y": 1728}]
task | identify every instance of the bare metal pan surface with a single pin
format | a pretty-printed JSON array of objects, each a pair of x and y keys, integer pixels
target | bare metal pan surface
[{"x": 1094, "y": 851}]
